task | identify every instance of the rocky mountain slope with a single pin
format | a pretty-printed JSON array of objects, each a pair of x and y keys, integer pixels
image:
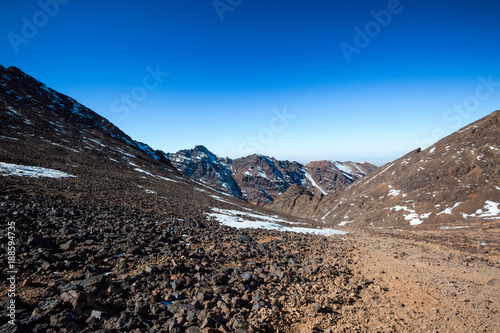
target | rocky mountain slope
[
  {"x": 455, "y": 182},
  {"x": 261, "y": 179},
  {"x": 333, "y": 175}
]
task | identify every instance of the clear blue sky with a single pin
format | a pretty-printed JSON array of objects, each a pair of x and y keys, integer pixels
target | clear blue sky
[{"x": 234, "y": 64}]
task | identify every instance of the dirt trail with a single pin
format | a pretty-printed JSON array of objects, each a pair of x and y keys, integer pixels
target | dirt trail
[{"x": 425, "y": 287}]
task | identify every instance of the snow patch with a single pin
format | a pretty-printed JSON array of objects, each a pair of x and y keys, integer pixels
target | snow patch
[
  {"x": 413, "y": 217},
  {"x": 8, "y": 137},
  {"x": 7, "y": 169},
  {"x": 448, "y": 210},
  {"x": 344, "y": 223},
  {"x": 331, "y": 210},
  {"x": 394, "y": 193},
  {"x": 155, "y": 176},
  {"x": 225, "y": 201},
  {"x": 243, "y": 220},
  {"x": 491, "y": 209},
  {"x": 124, "y": 153},
  {"x": 308, "y": 176},
  {"x": 96, "y": 141},
  {"x": 343, "y": 168},
  {"x": 261, "y": 173}
]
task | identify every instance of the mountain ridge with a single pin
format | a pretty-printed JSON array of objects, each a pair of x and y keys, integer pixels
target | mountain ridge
[{"x": 261, "y": 179}]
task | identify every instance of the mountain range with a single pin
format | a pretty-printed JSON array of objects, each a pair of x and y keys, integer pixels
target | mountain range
[{"x": 261, "y": 179}]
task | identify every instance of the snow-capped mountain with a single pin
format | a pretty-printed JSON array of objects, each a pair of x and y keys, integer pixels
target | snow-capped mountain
[
  {"x": 201, "y": 164},
  {"x": 261, "y": 179}
]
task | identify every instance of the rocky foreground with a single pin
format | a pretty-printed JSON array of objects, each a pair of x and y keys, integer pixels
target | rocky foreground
[{"x": 90, "y": 267}]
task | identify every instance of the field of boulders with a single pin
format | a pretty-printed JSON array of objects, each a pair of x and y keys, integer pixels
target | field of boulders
[{"x": 91, "y": 268}]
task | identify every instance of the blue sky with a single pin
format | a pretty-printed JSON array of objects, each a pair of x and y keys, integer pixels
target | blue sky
[{"x": 297, "y": 80}]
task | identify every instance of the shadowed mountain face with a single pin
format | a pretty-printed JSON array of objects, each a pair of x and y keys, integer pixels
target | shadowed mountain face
[
  {"x": 455, "y": 180},
  {"x": 201, "y": 164},
  {"x": 261, "y": 179}
]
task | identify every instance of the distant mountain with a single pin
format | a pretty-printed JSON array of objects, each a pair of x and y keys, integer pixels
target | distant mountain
[
  {"x": 261, "y": 179},
  {"x": 29, "y": 106},
  {"x": 455, "y": 180},
  {"x": 331, "y": 175},
  {"x": 201, "y": 164}
]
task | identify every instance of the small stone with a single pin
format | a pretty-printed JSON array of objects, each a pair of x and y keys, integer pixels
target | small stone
[
  {"x": 96, "y": 314},
  {"x": 27, "y": 282},
  {"x": 178, "y": 284},
  {"x": 208, "y": 330},
  {"x": 151, "y": 269},
  {"x": 68, "y": 246},
  {"x": 256, "y": 306},
  {"x": 247, "y": 277},
  {"x": 239, "y": 324}
]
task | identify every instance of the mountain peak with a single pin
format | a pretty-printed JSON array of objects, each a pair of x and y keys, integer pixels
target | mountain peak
[{"x": 203, "y": 149}]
